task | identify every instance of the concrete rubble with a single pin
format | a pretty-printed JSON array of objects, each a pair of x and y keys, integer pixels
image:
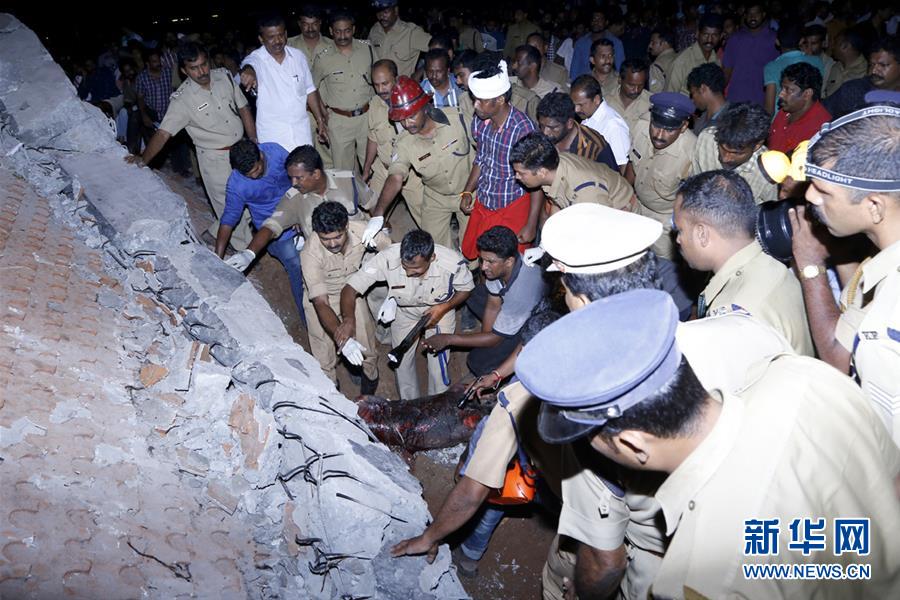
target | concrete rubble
[{"x": 229, "y": 407}]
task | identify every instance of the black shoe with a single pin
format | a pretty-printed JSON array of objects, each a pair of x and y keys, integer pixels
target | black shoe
[
  {"x": 368, "y": 387},
  {"x": 465, "y": 566}
]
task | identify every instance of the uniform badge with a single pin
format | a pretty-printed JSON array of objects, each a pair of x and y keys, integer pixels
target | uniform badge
[{"x": 423, "y": 157}]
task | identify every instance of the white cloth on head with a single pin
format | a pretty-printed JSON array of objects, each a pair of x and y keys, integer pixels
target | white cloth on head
[
  {"x": 608, "y": 123},
  {"x": 281, "y": 97},
  {"x": 490, "y": 87}
]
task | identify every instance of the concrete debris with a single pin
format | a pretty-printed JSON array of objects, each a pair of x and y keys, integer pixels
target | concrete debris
[{"x": 17, "y": 432}]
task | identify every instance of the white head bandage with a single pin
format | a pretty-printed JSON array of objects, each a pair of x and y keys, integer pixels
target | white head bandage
[{"x": 490, "y": 87}]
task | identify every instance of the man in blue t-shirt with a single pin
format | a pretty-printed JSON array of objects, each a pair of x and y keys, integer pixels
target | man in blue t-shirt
[{"x": 257, "y": 182}]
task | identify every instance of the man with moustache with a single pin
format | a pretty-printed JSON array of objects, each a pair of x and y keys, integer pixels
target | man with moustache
[
  {"x": 599, "y": 116},
  {"x": 310, "y": 41},
  {"x": 746, "y": 54},
  {"x": 527, "y": 68},
  {"x": 556, "y": 120},
  {"x": 800, "y": 113},
  {"x": 709, "y": 35},
  {"x": 662, "y": 51},
  {"x": 631, "y": 98},
  {"x": 397, "y": 40},
  {"x": 603, "y": 61}
]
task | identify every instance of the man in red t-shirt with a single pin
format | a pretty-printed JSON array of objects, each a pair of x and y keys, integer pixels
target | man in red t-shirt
[{"x": 801, "y": 114}]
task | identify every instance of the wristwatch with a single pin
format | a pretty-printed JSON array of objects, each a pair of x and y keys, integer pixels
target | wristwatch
[{"x": 812, "y": 271}]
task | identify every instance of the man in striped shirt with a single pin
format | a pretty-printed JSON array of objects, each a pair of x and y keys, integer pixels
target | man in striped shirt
[{"x": 492, "y": 195}]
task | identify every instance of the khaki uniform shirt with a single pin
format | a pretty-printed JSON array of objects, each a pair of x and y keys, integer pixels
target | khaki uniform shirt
[
  {"x": 443, "y": 161},
  {"x": 381, "y": 130},
  {"x": 544, "y": 87},
  {"x": 580, "y": 180},
  {"x": 517, "y": 34},
  {"x": 401, "y": 44},
  {"x": 296, "y": 208},
  {"x": 609, "y": 86},
  {"x": 554, "y": 73},
  {"x": 471, "y": 39},
  {"x": 684, "y": 63},
  {"x": 325, "y": 43},
  {"x": 660, "y": 69},
  {"x": 869, "y": 327},
  {"x": 706, "y": 158},
  {"x": 210, "y": 116},
  {"x": 324, "y": 272},
  {"x": 840, "y": 74},
  {"x": 658, "y": 173},
  {"x": 637, "y": 110},
  {"x": 753, "y": 281},
  {"x": 798, "y": 442},
  {"x": 343, "y": 81},
  {"x": 447, "y": 275}
]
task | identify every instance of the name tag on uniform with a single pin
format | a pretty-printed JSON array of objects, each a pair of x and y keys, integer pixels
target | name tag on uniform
[
  {"x": 397, "y": 287},
  {"x": 423, "y": 157},
  {"x": 338, "y": 73},
  {"x": 636, "y": 153},
  {"x": 202, "y": 106}
]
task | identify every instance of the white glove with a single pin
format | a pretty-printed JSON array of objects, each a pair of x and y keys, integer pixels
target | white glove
[
  {"x": 388, "y": 310},
  {"x": 532, "y": 255},
  {"x": 372, "y": 228},
  {"x": 241, "y": 260},
  {"x": 299, "y": 242},
  {"x": 353, "y": 352}
]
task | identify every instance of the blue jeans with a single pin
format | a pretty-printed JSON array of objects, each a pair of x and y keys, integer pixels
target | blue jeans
[{"x": 285, "y": 252}]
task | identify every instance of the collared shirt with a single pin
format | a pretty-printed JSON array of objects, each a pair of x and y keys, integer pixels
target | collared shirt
[
  {"x": 281, "y": 97},
  {"x": 155, "y": 90},
  {"x": 443, "y": 161},
  {"x": 447, "y": 275},
  {"x": 544, "y": 87},
  {"x": 261, "y": 195},
  {"x": 684, "y": 63},
  {"x": 839, "y": 74},
  {"x": 497, "y": 186},
  {"x": 451, "y": 98},
  {"x": 517, "y": 34},
  {"x": 639, "y": 108},
  {"x": 773, "y": 433},
  {"x": 581, "y": 53},
  {"x": 773, "y": 70},
  {"x": 705, "y": 120},
  {"x": 753, "y": 281},
  {"x": 869, "y": 327},
  {"x": 746, "y": 54},
  {"x": 210, "y": 116},
  {"x": 614, "y": 130},
  {"x": 401, "y": 44},
  {"x": 659, "y": 173},
  {"x": 706, "y": 158},
  {"x": 580, "y": 180},
  {"x": 299, "y": 43},
  {"x": 324, "y": 272},
  {"x": 296, "y": 208},
  {"x": 660, "y": 70},
  {"x": 784, "y": 135},
  {"x": 518, "y": 297},
  {"x": 342, "y": 80},
  {"x": 589, "y": 144}
]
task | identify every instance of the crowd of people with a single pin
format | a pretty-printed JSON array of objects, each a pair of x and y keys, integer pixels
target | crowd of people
[{"x": 587, "y": 187}]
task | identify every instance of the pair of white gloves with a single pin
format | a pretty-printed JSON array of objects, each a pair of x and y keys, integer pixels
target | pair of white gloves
[
  {"x": 242, "y": 259},
  {"x": 353, "y": 350}
]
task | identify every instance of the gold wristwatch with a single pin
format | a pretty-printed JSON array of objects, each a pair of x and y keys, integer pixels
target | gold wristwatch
[{"x": 812, "y": 271}]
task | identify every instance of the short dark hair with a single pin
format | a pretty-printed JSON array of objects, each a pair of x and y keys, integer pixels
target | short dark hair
[
  {"x": 342, "y": 15},
  {"x": 723, "y": 199},
  {"x": 711, "y": 21},
  {"x": 709, "y": 74},
  {"x": 788, "y": 35},
  {"x": 535, "y": 151},
  {"x": 464, "y": 59},
  {"x": 270, "y": 19},
  {"x": 642, "y": 274},
  {"x": 386, "y": 63},
  {"x": 636, "y": 65},
  {"x": 310, "y": 11},
  {"x": 438, "y": 54},
  {"x": 441, "y": 41},
  {"x": 805, "y": 76},
  {"x": 868, "y": 148},
  {"x": 601, "y": 42},
  {"x": 815, "y": 30},
  {"x": 189, "y": 52},
  {"x": 148, "y": 52},
  {"x": 854, "y": 37},
  {"x": 536, "y": 34},
  {"x": 556, "y": 105},
  {"x": 329, "y": 217},
  {"x": 417, "y": 242},
  {"x": 541, "y": 316},
  {"x": 243, "y": 155},
  {"x": 674, "y": 411},
  {"x": 500, "y": 240},
  {"x": 531, "y": 53},
  {"x": 589, "y": 86},
  {"x": 305, "y": 156},
  {"x": 742, "y": 124},
  {"x": 889, "y": 44},
  {"x": 666, "y": 34}
]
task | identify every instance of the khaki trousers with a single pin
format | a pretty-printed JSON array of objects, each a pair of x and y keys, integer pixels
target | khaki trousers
[
  {"x": 407, "y": 378},
  {"x": 322, "y": 346},
  {"x": 215, "y": 168},
  {"x": 348, "y": 137},
  {"x": 436, "y": 213}
]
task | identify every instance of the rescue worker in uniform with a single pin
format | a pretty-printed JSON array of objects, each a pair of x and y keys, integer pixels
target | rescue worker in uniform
[{"x": 395, "y": 39}]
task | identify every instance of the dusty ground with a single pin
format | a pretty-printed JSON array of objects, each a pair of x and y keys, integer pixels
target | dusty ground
[{"x": 511, "y": 568}]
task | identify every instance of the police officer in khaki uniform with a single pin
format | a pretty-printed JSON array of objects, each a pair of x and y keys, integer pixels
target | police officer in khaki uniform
[
  {"x": 722, "y": 441},
  {"x": 214, "y": 111},
  {"x": 715, "y": 218},
  {"x": 709, "y": 35},
  {"x": 436, "y": 145},
  {"x": 397, "y": 40},
  {"x": 341, "y": 75},
  {"x": 380, "y": 144},
  {"x": 630, "y": 99},
  {"x": 550, "y": 71},
  {"x": 567, "y": 179},
  {"x": 329, "y": 258},
  {"x": 422, "y": 278},
  {"x": 660, "y": 159},
  {"x": 662, "y": 49}
]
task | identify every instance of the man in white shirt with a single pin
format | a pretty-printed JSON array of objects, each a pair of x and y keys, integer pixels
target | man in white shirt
[
  {"x": 599, "y": 116},
  {"x": 284, "y": 86}
]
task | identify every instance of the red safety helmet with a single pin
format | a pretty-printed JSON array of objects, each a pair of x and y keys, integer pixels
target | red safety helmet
[{"x": 407, "y": 98}]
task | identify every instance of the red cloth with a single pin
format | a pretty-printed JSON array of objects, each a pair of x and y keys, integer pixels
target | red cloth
[
  {"x": 514, "y": 216},
  {"x": 785, "y": 136}
]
